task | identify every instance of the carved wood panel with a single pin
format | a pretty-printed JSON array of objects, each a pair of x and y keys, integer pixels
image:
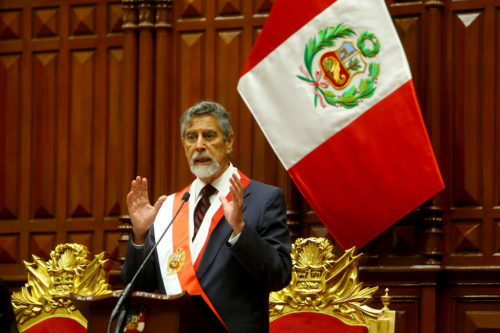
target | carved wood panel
[
  {"x": 84, "y": 106},
  {"x": 471, "y": 309},
  {"x": 10, "y": 129},
  {"x": 213, "y": 40},
  {"x": 60, "y": 116},
  {"x": 473, "y": 134}
]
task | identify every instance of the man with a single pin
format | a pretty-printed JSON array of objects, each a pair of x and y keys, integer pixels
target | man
[{"x": 229, "y": 243}]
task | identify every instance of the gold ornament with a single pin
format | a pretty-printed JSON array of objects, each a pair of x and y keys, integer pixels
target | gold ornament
[
  {"x": 176, "y": 261},
  {"x": 326, "y": 284},
  {"x": 50, "y": 283}
]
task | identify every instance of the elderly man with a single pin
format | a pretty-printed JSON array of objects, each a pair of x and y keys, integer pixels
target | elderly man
[{"x": 229, "y": 243}]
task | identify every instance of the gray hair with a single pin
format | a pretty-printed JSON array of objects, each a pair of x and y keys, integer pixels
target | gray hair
[{"x": 208, "y": 108}]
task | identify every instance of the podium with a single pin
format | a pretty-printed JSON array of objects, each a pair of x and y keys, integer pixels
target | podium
[{"x": 159, "y": 313}]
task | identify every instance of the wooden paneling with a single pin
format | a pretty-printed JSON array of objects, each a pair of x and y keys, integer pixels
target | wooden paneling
[
  {"x": 10, "y": 24},
  {"x": 111, "y": 243},
  {"x": 82, "y": 20},
  {"x": 496, "y": 236},
  {"x": 473, "y": 118},
  {"x": 213, "y": 41},
  {"x": 228, "y": 7},
  {"x": 262, "y": 6},
  {"x": 86, "y": 105},
  {"x": 44, "y": 134},
  {"x": 471, "y": 309},
  {"x": 413, "y": 296},
  {"x": 467, "y": 45},
  {"x": 145, "y": 101},
  {"x": 496, "y": 106},
  {"x": 42, "y": 243},
  {"x": 9, "y": 248},
  {"x": 191, "y": 60},
  {"x": 190, "y": 82},
  {"x": 410, "y": 32},
  {"x": 407, "y": 313},
  {"x": 81, "y": 133},
  {"x": 60, "y": 127},
  {"x": 84, "y": 238},
  {"x": 114, "y": 18},
  {"x": 46, "y": 22},
  {"x": 229, "y": 59},
  {"x": 228, "y": 62},
  {"x": 479, "y": 321},
  {"x": 467, "y": 237},
  {"x": 163, "y": 139},
  {"x": 191, "y": 8},
  {"x": 10, "y": 103},
  {"x": 114, "y": 175},
  {"x": 263, "y": 158}
]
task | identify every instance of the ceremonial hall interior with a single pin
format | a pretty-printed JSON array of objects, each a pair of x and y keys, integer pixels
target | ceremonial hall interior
[{"x": 91, "y": 92}]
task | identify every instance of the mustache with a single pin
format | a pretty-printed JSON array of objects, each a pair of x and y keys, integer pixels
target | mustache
[{"x": 199, "y": 154}]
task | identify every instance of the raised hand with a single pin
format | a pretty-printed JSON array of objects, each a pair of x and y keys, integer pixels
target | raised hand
[
  {"x": 141, "y": 212},
  {"x": 233, "y": 209}
]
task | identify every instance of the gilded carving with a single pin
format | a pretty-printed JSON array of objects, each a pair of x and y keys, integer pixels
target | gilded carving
[
  {"x": 323, "y": 283},
  {"x": 50, "y": 283}
]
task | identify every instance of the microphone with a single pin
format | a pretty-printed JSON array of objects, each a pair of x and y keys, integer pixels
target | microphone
[{"x": 121, "y": 306}]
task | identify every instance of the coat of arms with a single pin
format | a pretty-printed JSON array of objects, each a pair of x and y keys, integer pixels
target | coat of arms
[
  {"x": 70, "y": 269},
  {"x": 136, "y": 321},
  {"x": 335, "y": 68},
  {"x": 176, "y": 261}
]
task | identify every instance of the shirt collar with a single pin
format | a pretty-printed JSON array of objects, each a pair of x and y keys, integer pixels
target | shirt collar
[{"x": 220, "y": 183}]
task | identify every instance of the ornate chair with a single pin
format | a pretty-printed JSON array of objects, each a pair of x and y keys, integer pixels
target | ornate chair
[
  {"x": 43, "y": 304},
  {"x": 325, "y": 294}
]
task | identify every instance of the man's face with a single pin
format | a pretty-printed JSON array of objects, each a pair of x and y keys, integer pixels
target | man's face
[{"x": 206, "y": 150}]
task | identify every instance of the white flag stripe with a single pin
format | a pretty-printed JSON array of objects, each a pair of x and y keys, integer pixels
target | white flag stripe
[
  {"x": 299, "y": 123},
  {"x": 170, "y": 281}
]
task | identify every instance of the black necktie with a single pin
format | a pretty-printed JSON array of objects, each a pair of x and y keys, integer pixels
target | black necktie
[{"x": 202, "y": 207}]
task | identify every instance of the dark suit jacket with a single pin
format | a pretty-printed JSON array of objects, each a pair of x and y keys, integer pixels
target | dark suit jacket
[{"x": 237, "y": 279}]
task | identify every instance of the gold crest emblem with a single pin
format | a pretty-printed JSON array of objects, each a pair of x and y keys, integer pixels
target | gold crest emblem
[
  {"x": 336, "y": 67},
  {"x": 176, "y": 261},
  {"x": 324, "y": 283},
  {"x": 70, "y": 269}
]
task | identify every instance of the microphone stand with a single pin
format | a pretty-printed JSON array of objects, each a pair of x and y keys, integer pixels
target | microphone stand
[{"x": 121, "y": 306}]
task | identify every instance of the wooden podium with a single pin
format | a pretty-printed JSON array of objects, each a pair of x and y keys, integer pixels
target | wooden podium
[{"x": 162, "y": 313}]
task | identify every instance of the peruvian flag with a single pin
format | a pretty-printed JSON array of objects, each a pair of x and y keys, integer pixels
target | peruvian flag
[{"x": 329, "y": 84}]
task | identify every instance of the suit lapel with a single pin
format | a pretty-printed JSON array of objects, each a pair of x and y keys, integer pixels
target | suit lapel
[{"x": 217, "y": 239}]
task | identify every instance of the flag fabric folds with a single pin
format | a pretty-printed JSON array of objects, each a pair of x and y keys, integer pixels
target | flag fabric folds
[{"x": 330, "y": 87}]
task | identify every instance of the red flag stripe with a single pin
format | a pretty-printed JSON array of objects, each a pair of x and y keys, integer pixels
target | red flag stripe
[
  {"x": 383, "y": 159},
  {"x": 285, "y": 18}
]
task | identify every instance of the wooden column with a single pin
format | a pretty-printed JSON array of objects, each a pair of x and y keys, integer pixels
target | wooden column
[
  {"x": 147, "y": 27},
  {"x": 163, "y": 26},
  {"x": 145, "y": 89},
  {"x": 296, "y": 210},
  {"x": 433, "y": 252},
  {"x": 129, "y": 130},
  {"x": 432, "y": 211}
]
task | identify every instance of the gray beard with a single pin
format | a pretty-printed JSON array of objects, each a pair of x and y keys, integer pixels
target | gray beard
[{"x": 204, "y": 171}]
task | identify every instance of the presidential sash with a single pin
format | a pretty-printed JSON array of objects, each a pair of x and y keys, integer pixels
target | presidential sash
[{"x": 178, "y": 256}]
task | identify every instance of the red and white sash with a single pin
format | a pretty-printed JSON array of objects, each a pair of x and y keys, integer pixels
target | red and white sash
[{"x": 177, "y": 255}]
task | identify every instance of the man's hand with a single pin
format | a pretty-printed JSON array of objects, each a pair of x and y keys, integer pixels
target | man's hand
[
  {"x": 233, "y": 209},
  {"x": 141, "y": 213}
]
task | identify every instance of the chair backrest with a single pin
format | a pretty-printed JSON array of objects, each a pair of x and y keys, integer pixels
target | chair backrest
[
  {"x": 326, "y": 294},
  {"x": 43, "y": 304}
]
